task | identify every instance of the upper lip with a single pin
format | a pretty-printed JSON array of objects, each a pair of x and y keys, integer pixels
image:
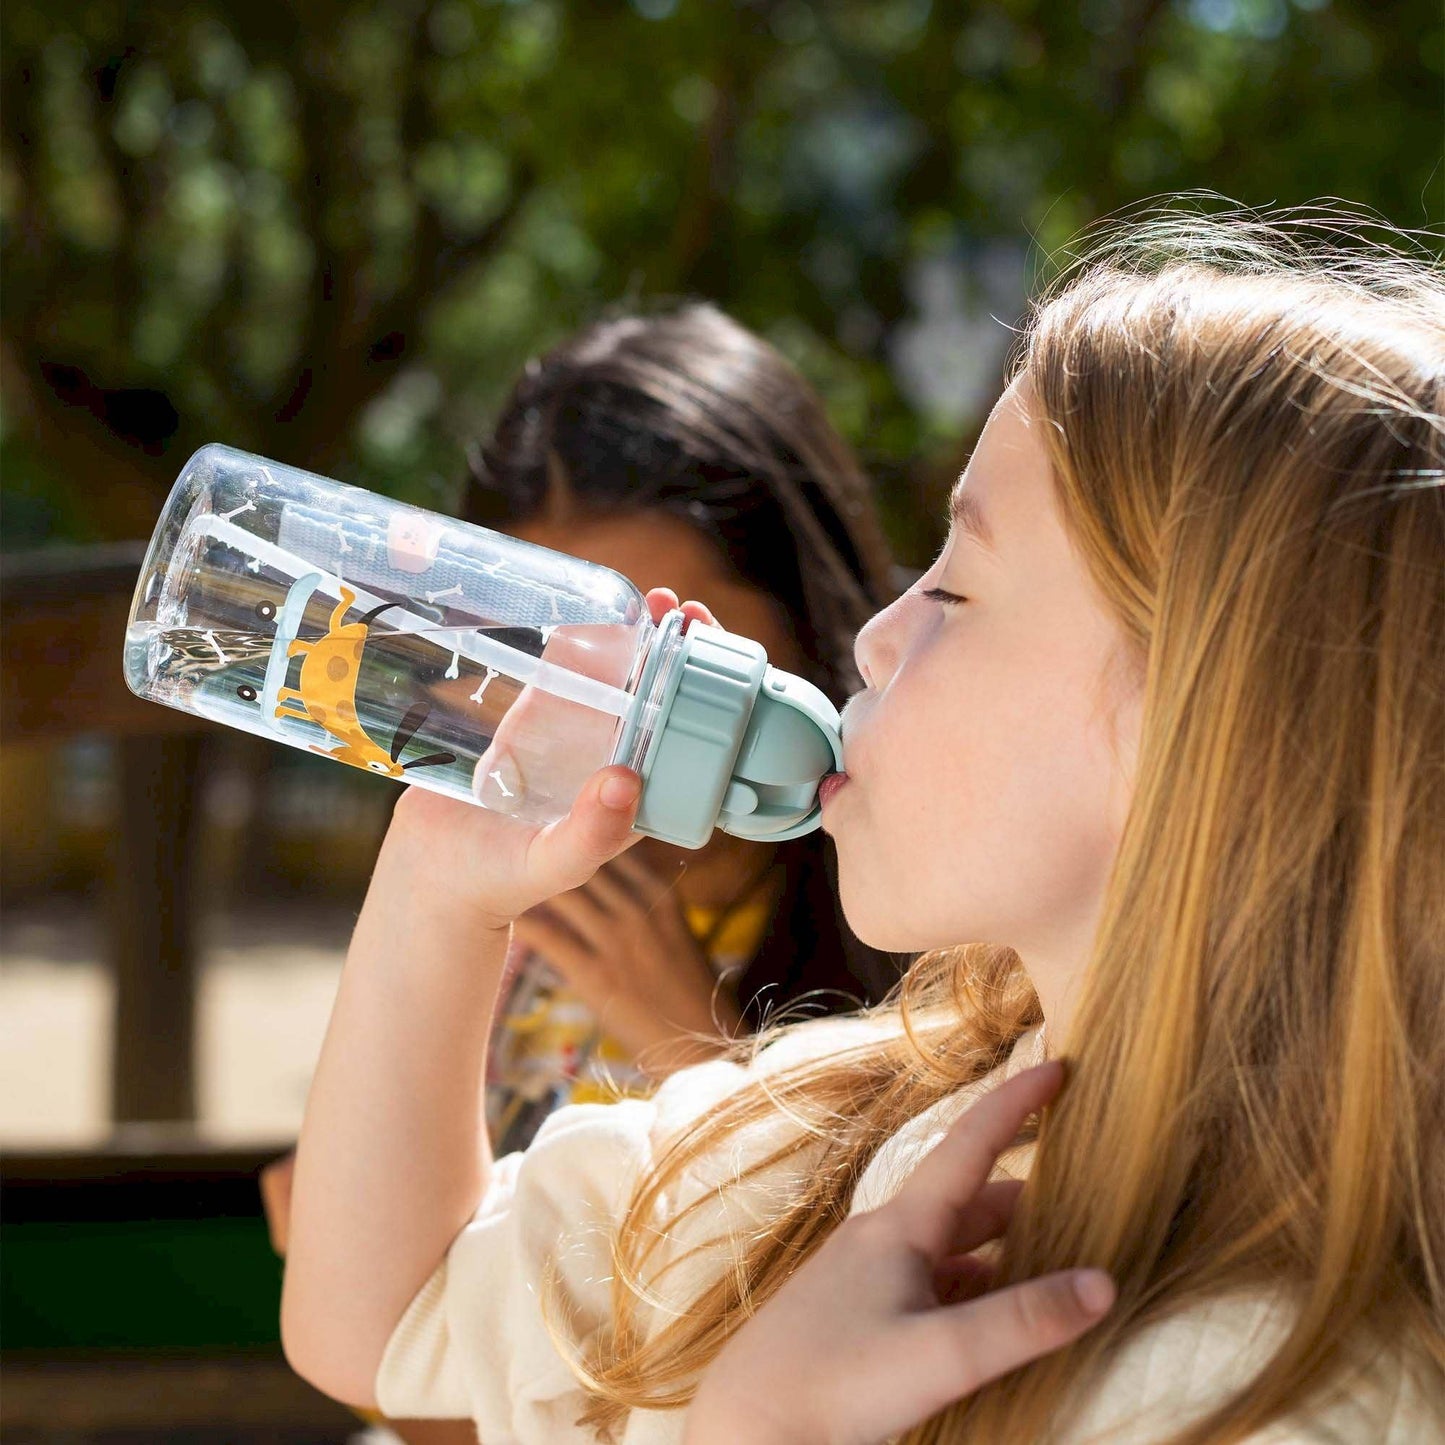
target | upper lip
[{"x": 848, "y": 724}]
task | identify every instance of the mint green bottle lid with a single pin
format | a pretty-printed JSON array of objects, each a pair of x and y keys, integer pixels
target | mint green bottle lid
[{"x": 739, "y": 745}]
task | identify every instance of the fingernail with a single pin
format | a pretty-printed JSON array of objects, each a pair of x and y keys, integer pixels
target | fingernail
[
  {"x": 619, "y": 791},
  {"x": 1094, "y": 1289}
]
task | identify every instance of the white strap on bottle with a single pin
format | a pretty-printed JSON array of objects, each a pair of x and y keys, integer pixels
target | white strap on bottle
[{"x": 475, "y": 646}]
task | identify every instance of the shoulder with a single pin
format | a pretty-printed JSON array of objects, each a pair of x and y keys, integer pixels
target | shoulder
[
  {"x": 902, "y": 1152},
  {"x": 684, "y": 1096},
  {"x": 1178, "y": 1369},
  {"x": 724, "y": 1166}
]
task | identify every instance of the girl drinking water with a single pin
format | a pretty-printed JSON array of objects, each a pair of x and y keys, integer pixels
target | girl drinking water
[{"x": 1153, "y": 759}]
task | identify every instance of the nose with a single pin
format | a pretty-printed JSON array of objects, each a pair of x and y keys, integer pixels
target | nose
[{"x": 879, "y": 646}]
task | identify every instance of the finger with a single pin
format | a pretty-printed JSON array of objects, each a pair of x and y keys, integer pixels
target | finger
[
  {"x": 544, "y": 913},
  {"x": 613, "y": 891},
  {"x": 645, "y": 886},
  {"x": 986, "y": 1216},
  {"x": 565, "y": 854},
  {"x": 571, "y": 958},
  {"x": 961, "y": 1279},
  {"x": 637, "y": 870},
  {"x": 933, "y": 1199},
  {"x": 630, "y": 906},
  {"x": 698, "y": 612},
  {"x": 962, "y": 1347},
  {"x": 275, "y": 1183},
  {"x": 583, "y": 912},
  {"x": 661, "y": 601}
]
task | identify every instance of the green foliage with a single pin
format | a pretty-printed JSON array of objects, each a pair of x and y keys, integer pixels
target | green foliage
[{"x": 331, "y": 232}]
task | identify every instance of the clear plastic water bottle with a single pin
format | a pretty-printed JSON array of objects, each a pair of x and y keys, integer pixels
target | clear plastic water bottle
[{"x": 455, "y": 658}]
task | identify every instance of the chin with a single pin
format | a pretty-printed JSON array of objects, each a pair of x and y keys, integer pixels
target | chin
[{"x": 874, "y": 917}]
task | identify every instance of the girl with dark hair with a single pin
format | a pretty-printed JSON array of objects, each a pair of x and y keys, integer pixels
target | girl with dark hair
[{"x": 682, "y": 448}]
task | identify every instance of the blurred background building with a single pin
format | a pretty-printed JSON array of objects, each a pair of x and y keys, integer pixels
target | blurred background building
[{"x": 331, "y": 233}]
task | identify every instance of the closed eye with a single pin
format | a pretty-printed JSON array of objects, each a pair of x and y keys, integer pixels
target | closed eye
[{"x": 937, "y": 594}]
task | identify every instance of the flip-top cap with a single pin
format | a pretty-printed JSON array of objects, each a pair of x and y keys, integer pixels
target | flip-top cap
[{"x": 740, "y": 746}]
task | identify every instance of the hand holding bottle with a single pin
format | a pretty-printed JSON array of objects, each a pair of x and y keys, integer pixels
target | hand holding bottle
[{"x": 499, "y": 867}]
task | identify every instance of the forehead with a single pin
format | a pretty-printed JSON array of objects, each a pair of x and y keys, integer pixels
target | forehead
[{"x": 1005, "y": 493}]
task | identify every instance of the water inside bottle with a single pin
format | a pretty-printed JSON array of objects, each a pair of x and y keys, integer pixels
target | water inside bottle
[{"x": 514, "y": 716}]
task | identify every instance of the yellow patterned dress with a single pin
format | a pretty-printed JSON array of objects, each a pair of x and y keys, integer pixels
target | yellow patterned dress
[{"x": 546, "y": 1049}]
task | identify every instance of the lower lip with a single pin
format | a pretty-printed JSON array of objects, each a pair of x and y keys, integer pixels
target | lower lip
[{"x": 829, "y": 786}]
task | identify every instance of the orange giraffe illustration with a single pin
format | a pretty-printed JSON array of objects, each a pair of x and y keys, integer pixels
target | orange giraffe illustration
[{"x": 330, "y": 668}]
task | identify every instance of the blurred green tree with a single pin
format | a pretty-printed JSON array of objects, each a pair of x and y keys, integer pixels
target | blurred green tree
[{"x": 331, "y": 232}]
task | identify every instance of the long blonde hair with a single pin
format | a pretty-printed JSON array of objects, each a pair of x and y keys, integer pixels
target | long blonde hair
[{"x": 1247, "y": 433}]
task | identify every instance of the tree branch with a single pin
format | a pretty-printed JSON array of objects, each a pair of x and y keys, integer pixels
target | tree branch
[{"x": 353, "y": 339}]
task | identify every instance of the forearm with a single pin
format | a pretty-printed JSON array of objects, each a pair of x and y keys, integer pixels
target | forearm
[{"x": 393, "y": 1156}]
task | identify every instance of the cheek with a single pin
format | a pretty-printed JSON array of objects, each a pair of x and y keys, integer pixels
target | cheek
[
  {"x": 1048, "y": 805},
  {"x": 987, "y": 804},
  {"x": 899, "y": 830},
  {"x": 1043, "y": 765}
]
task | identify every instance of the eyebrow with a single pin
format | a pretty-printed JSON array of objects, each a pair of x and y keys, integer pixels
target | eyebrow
[{"x": 969, "y": 519}]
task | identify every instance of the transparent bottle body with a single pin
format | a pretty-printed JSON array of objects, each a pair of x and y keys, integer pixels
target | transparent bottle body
[{"x": 408, "y": 644}]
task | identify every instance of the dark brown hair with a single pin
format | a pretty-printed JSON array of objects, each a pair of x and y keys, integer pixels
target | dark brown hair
[{"x": 689, "y": 413}]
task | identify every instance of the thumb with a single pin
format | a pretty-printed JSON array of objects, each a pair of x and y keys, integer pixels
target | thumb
[
  {"x": 565, "y": 854},
  {"x": 977, "y": 1342}
]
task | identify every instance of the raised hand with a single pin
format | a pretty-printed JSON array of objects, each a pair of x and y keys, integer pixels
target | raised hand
[
  {"x": 622, "y": 943},
  {"x": 893, "y": 1318},
  {"x": 499, "y": 867}
]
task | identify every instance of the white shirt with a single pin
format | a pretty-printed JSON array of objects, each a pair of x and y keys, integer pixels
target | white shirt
[{"x": 473, "y": 1343}]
